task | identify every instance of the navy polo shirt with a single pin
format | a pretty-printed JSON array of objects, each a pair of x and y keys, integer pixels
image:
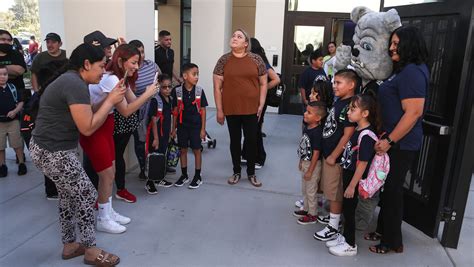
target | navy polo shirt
[
  {"x": 307, "y": 79},
  {"x": 7, "y": 103},
  {"x": 191, "y": 116},
  {"x": 411, "y": 82}
]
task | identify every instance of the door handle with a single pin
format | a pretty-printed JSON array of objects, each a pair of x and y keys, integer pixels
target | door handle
[{"x": 443, "y": 129}]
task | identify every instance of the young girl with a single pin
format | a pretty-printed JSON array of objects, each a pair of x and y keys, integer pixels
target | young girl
[{"x": 355, "y": 161}]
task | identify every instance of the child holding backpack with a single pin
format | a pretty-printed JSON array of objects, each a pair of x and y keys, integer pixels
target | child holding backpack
[
  {"x": 357, "y": 162},
  {"x": 189, "y": 102}
]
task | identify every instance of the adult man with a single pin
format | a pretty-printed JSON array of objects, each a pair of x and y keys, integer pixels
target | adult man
[
  {"x": 97, "y": 38},
  {"x": 164, "y": 55},
  {"x": 33, "y": 48},
  {"x": 54, "y": 52},
  {"x": 13, "y": 60}
]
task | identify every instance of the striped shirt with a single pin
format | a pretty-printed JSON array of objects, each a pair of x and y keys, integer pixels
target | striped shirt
[{"x": 146, "y": 73}]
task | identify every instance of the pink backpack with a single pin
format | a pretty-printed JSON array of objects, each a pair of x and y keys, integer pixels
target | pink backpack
[{"x": 378, "y": 170}]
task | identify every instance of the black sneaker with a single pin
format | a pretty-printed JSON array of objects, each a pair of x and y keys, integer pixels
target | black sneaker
[
  {"x": 264, "y": 135},
  {"x": 181, "y": 181},
  {"x": 52, "y": 197},
  {"x": 195, "y": 183},
  {"x": 328, "y": 233},
  {"x": 21, "y": 169},
  {"x": 323, "y": 219},
  {"x": 3, "y": 170},
  {"x": 150, "y": 188},
  {"x": 170, "y": 170},
  {"x": 142, "y": 176},
  {"x": 163, "y": 183}
]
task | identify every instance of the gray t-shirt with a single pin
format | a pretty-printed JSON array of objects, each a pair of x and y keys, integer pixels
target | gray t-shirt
[
  {"x": 44, "y": 58},
  {"x": 55, "y": 129}
]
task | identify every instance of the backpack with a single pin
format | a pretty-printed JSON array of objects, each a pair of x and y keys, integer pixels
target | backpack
[
  {"x": 29, "y": 114},
  {"x": 196, "y": 102},
  {"x": 146, "y": 123},
  {"x": 13, "y": 91},
  {"x": 275, "y": 95},
  {"x": 378, "y": 170}
]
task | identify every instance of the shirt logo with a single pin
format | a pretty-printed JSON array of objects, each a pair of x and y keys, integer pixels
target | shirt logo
[
  {"x": 304, "y": 150},
  {"x": 330, "y": 126}
]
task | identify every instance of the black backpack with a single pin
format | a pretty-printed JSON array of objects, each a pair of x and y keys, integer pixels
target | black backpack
[{"x": 275, "y": 95}]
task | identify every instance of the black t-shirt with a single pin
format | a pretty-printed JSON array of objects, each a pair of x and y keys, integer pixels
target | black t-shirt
[
  {"x": 365, "y": 152},
  {"x": 164, "y": 58},
  {"x": 307, "y": 79},
  {"x": 166, "y": 115},
  {"x": 334, "y": 126},
  {"x": 7, "y": 102},
  {"x": 310, "y": 140},
  {"x": 191, "y": 115},
  {"x": 15, "y": 58}
]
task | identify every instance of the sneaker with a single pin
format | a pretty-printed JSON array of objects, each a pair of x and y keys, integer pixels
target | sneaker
[
  {"x": 109, "y": 226},
  {"x": 125, "y": 196},
  {"x": 243, "y": 160},
  {"x": 142, "y": 176},
  {"x": 258, "y": 166},
  {"x": 22, "y": 169},
  {"x": 170, "y": 170},
  {"x": 308, "y": 219},
  {"x": 300, "y": 213},
  {"x": 115, "y": 216},
  {"x": 323, "y": 219},
  {"x": 195, "y": 183},
  {"x": 3, "y": 170},
  {"x": 151, "y": 188},
  {"x": 299, "y": 203},
  {"x": 164, "y": 183},
  {"x": 328, "y": 233},
  {"x": 264, "y": 135},
  {"x": 343, "y": 249},
  {"x": 181, "y": 181},
  {"x": 336, "y": 242},
  {"x": 52, "y": 197}
]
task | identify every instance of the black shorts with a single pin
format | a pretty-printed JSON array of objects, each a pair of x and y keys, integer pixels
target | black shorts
[{"x": 189, "y": 137}]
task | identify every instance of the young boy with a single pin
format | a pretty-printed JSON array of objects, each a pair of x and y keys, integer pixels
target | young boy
[
  {"x": 11, "y": 105},
  {"x": 336, "y": 133},
  {"x": 160, "y": 115},
  {"x": 310, "y": 165},
  {"x": 309, "y": 75},
  {"x": 189, "y": 102}
]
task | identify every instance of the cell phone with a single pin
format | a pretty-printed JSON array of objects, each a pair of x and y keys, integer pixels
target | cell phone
[
  {"x": 125, "y": 77},
  {"x": 156, "y": 78}
]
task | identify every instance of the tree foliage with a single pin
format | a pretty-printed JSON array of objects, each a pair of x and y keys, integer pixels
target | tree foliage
[{"x": 22, "y": 17}]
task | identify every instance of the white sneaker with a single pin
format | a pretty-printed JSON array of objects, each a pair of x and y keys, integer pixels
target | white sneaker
[
  {"x": 109, "y": 226},
  {"x": 343, "y": 249},
  {"x": 299, "y": 203},
  {"x": 119, "y": 218},
  {"x": 335, "y": 242},
  {"x": 258, "y": 166}
]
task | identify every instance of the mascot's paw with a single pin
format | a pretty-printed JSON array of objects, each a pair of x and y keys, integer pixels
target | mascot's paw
[{"x": 343, "y": 57}]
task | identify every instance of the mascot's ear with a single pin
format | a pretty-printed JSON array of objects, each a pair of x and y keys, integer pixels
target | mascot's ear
[
  {"x": 359, "y": 12},
  {"x": 392, "y": 20}
]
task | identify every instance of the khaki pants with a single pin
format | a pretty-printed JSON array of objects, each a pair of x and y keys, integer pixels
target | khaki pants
[
  {"x": 10, "y": 130},
  {"x": 310, "y": 188},
  {"x": 331, "y": 182}
]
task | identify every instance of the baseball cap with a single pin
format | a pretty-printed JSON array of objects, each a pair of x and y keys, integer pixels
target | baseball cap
[
  {"x": 53, "y": 36},
  {"x": 97, "y": 38}
]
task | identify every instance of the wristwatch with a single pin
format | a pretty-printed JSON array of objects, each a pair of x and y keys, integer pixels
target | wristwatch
[{"x": 390, "y": 141}]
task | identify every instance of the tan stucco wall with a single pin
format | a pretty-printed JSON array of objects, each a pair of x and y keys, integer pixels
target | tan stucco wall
[
  {"x": 169, "y": 18},
  {"x": 243, "y": 15}
]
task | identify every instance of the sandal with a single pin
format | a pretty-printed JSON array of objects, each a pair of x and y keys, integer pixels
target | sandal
[
  {"x": 374, "y": 236},
  {"x": 78, "y": 252},
  {"x": 253, "y": 180},
  {"x": 104, "y": 259},
  {"x": 382, "y": 249},
  {"x": 235, "y": 178}
]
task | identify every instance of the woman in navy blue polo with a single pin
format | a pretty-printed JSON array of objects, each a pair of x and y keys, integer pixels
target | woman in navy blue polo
[{"x": 402, "y": 99}]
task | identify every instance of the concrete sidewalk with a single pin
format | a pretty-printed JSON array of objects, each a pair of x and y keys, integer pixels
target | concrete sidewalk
[{"x": 215, "y": 225}]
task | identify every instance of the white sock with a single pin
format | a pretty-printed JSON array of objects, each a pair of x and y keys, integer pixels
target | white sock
[
  {"x": 334, "y": 220},
  {"x": 110, "y": 203},
  {"x": 104, "y": 210}
]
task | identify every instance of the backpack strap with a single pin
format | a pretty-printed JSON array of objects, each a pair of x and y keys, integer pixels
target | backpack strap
[
  {"x": 361, "y": 135},
  {"x": 197, "y": 98},
  {"x": 179, "y": 98},
  {"x": 13, "y": 91}
]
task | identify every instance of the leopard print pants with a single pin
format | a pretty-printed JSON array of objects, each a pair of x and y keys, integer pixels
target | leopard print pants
[{"x": 77, "y": 195}]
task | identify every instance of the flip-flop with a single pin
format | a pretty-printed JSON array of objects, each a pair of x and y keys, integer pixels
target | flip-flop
[
  {"x": 78, "y": 252},
  {"x": 104, "y": 259}
]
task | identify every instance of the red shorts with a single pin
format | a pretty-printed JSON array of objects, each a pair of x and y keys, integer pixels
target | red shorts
[{"x": 100, "y": 147}]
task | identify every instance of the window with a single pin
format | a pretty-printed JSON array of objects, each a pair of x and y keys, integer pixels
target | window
[
  {"x": 185, "y": 31},
  {"x": 337, "y": 6}
]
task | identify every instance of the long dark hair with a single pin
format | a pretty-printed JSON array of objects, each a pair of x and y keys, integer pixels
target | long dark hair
[
  {"x": 369, "y": 103},
  {"x": 256, "y": 48},
  {"x": 411, "y": 48},
  {"x": 324, "y": 90}
]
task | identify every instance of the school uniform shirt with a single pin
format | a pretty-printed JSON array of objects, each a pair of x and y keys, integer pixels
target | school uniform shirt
[
  {"x": 7, "y": 102},
  {"x": 334, "y": 126},
  {"x": 310, "y": 141},
  {"x": 365, "y": 152},
  {"x": 411, "y": 82},
  {"x": 167, "y": 107},
  {"x": 191, "y": 115},
  {"x": 307, "y": 79}
]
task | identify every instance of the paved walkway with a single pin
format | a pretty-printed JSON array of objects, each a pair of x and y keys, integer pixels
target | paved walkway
[{"x": 215, "y": 225}]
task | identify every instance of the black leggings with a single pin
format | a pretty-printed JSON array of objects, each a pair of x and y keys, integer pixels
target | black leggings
[
  {"x": 349, "y": 206},
  {"x": 139, "y": 150},
  {"x": 248, "y": 123},
  {"x": 121, "y": 141},
  {"x": 389, "y": 223},
  {"x": 261, "y": 154}
]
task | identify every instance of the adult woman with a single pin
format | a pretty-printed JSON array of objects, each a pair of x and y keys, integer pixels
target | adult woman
[
  {"x": 273, "y": 81},
  {"x": 240, "y": 89},
  {"x": 329, "y": 60},
  {"x": 64, "y": 112},
  {"x": 99, "y": 147},
  {"x": 402, "y": 98}
]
